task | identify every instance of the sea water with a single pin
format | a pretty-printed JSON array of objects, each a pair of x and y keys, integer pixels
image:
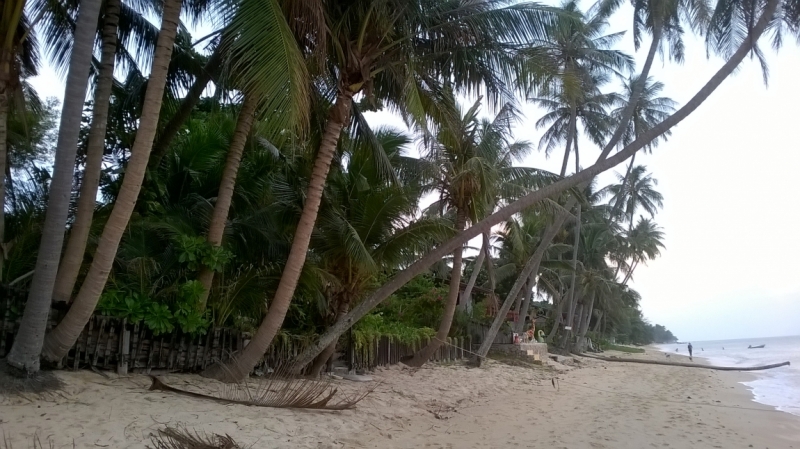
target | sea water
[{"x": 778, "y": 387}]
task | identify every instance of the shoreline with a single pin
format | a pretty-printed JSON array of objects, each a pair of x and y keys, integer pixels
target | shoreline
[
  {"x": 590, "y": 404},
  {"x": 742, "y": 378}
]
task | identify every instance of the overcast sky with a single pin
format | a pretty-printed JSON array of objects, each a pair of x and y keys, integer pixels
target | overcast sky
[{"x": 729, "y": 176}]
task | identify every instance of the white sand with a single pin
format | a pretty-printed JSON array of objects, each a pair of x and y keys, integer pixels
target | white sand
[{"x": 598, "y": 405}]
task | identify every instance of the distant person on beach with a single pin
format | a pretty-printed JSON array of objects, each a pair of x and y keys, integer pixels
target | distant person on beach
[{"x": 690, "y": 351}]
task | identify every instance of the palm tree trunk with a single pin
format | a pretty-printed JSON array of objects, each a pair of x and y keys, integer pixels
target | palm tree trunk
[
  {"x": 575, "y": 246},
  {"x": 587, "y": 320},
  {"x": 323, "y": 358},
  {"x": 225, "y": 195},
  {"x": 517, "y": 305},
  {"x": 64, "y": 335},
  {"x": 185, "y": 109},
  {"x": 630, "y": 273},
  {"x": 570, "y": 320},
  {"x": 526, "y": 303},
  {"x": 487, "y": 248},
  {"x": 466, "y": 297},
  {"x": 583, "y": 326},
  {"x": 421, "y": 357},
  {"x": 557, "y": 318},
  {"x": 597, "y": 323},
  {"x": 570, "y": 133},
  {"x": 79, "y": 232},
  {"x": 604, "y": 163},
  {"x": 241, "y": 366},
  {"x": 636, "y": 92},
  {"x": 3, "y": 162},
  {"x": 27, "y": 346}
]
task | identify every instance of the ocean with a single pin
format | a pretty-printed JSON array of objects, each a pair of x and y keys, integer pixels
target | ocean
[{"x": 779, "y": 387}]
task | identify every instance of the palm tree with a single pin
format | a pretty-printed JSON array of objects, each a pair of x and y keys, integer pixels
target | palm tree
[
  {"x": 649, "y": 111},
  {"x": 644, "y": 242},
  {"x": 58, "y": 342},
  {"x": 581, "y": 55},
  {"x": 364, "y": 228},
  {"x": 394, "y": 51},
  {"x": 591, "y": 110},
  {"x": 79, "y": 231},
  {"x": 261, "y": 81},
  {"x": 584, "y": 176},
  {"x": 18, "y": 60},
  {"x": 24, "y": 354},
  {"x": 637, "y": 193},
  {"x": 471, "y": 166}
]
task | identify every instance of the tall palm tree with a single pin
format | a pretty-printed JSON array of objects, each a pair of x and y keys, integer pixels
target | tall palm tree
[
  {"x": 471, "y": 166},
  {"x": 18, "y": 60},
  {"x": 393, "y": 50},
  {"x": 759, "y": 26},
  {"x": 79, "y": 231},
  {"x": 58, "y": 342},
  {"x": 581, "y": 54},
  {"x": 24, "y": 354}
]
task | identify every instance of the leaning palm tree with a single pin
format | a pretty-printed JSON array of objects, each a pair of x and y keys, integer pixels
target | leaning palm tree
[{"x": 395, "y": 51}]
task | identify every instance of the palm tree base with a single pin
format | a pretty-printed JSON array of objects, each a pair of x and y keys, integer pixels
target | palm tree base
[{"x": 15, "y": 381}]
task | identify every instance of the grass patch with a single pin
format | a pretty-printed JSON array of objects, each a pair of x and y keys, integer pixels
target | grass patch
[{"x": 628, "y": 349}]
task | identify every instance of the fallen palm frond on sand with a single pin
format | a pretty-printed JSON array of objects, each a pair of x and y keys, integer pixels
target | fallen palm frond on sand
[
  {"x": 278, "y": 390},
  {"x": 687, "y": 365},
  {"x": 182, "y": 438}
]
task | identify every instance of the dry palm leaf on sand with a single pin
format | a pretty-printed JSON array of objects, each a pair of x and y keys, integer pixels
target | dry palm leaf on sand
[
  {"x": 279, "y": 389},
  {"x": 182, "y": 438}
]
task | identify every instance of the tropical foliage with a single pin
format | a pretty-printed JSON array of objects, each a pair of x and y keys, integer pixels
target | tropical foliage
[{"x": 272, "y": 206}]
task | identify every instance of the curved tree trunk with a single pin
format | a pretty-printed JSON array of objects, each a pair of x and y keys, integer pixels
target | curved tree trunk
[
  {"x": 27, "y": 346},
  {"x": 225, "y": 195},
  {"x": 79, "y": 232},
  {"x": 424, "y": 354},
  {"x": 466, "y": 298},
  {"x": 64, "y": 335},
  {"x": 604, "y": 163},
  {"x": 184, "y": 111},
  {"x": 240, "y": 367},
  {"x": 326, "y": 355}
]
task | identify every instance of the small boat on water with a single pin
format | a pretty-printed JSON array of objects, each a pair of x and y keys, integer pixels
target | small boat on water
[{"x": 755, "y": 347}]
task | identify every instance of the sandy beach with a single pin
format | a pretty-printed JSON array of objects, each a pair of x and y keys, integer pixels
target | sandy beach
[{"x": 595, "y": 404}]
